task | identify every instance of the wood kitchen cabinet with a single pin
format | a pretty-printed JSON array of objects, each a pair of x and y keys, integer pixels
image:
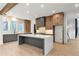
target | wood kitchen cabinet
[
  {"x": 55, "y": 19},
  {"x": 27, "y": 26},
  {"x": 61, "y": 19},
  {"x": 58, "y": 18},
  {"x": 48, "y": 23}
]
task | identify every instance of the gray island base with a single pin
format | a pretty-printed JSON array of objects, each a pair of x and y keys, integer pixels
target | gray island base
[{"x": 42, "y": 41}]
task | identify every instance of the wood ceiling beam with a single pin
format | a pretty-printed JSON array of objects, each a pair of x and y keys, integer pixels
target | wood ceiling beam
[{"x": 7, "y": 7}]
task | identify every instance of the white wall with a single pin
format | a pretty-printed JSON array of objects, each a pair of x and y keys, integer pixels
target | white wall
[
  {"x": 1, "y": 32},
  {"x": 65, "y": 28},
  {"x": 78, "y": 25},
  {"x": 32, "y": 25},
  {"x": 71, "y": 24}
]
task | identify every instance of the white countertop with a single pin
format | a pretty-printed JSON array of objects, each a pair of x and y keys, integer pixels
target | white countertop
[{"x": 36, "y": 35}]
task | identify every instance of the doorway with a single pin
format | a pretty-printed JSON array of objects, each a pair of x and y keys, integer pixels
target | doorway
[{"x": 76, "y": 27}]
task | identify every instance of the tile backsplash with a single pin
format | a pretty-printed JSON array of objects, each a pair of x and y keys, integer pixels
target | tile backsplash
[{"x": 43, "y": 30}]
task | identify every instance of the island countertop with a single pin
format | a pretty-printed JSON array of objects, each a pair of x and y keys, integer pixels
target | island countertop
[{"x": 36, "y": 35}]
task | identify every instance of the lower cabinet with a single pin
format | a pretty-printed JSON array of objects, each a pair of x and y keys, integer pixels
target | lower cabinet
[
  {"x": 38, "y": 42},
  {"x": 9, "y": 38}
]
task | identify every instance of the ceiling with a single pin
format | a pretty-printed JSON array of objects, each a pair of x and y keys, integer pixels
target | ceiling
[
  {"x": 2, "y": 5},
  {"x": 32, "y": 10}
]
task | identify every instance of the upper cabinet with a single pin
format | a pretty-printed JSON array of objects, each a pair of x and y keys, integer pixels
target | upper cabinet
[
  {"x": 58, "y": 18},
  {"x": 40, "y": 22},
  {"x": 55, "y": 19},
  {"x": 49, "y": 21}
]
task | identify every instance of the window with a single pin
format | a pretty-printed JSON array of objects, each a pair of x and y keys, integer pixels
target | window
[
  {"x": 5, "y": 26},
  {"x": 21, "y": 27},
  {"x": 13, "y": 26}
]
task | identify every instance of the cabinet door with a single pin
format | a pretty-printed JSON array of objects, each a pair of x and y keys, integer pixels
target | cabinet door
[
  {"x": 60, "y": 19},
  {"x": 27, "y": 26},
  {"x": 5, "y": 38},
  {"x": 54, "y": 19},
  {"x": 48, "y": 22}
]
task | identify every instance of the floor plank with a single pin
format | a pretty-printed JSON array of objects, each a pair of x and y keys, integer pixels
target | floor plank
[{"x": 13, "y": 49}]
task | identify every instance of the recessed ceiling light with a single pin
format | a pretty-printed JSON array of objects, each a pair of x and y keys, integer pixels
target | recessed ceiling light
[
  {"x": 42, "y": 5},
  {"x": 76, "y": 5},
  {"x": 77, "y": 14},
  {"x": 53, "y": 11},
  {"x": 35, "y": 16},
  {"x": 14, "y": 19},
  {"x": 78, "y": 19},
  {"x": 28, "y": 12},
  {"x": 27, "y": 4}
]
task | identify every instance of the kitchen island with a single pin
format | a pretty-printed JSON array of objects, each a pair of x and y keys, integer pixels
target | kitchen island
[{"x": 42, "y": 41}]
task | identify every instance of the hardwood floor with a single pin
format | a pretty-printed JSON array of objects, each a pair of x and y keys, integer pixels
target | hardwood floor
[{"x": 12, "y": 49}]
